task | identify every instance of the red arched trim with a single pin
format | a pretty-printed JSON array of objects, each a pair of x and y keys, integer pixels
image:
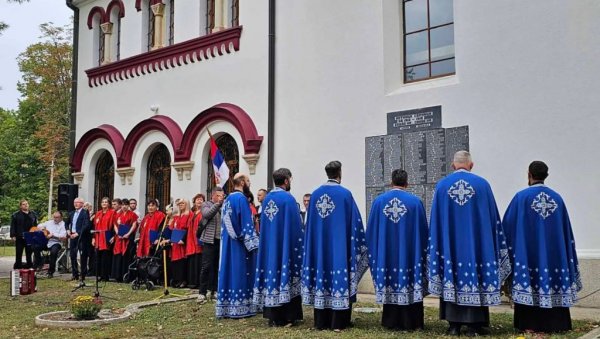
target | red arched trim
[
  {"x": 227, "y": 112},
  {"x": 160, "y": 123},
  {"x": 138, "y": 3},
  {"x": 108, "y": 132},
  {"x": 115, "y": 3},
  {"x": 96, "y": 10}
]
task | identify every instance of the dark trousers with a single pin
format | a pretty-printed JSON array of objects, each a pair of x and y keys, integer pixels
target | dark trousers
[
  {"x": 209, "y": 273},
  {"x": 20, "y": 244},
  {"x": 83, "y": 248},
  {"x": 38, "y": 261}
]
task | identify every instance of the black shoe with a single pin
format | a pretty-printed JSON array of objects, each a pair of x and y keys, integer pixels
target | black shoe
[
  {"x": 50, "y": 275},
  {"x": 75, "y": 278},
  {"x": 453, "y": 331}
]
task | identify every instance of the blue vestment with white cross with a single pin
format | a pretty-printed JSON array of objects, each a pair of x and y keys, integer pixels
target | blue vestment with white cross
[
  {"x": 397, "y": 241},
  {"x": 541, "y": 243},
  {"x": 335, "y": 249},
  {"x": 468, "y": 254},
  {"x": 279, "y": 261},
  {"x": 239, "y": 242}
]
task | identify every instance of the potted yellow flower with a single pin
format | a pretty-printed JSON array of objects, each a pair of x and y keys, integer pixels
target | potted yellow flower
[{"x": 85, "y": 307}]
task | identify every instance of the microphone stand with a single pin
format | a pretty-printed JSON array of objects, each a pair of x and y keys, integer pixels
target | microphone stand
[{"x": 97, "y": 283}]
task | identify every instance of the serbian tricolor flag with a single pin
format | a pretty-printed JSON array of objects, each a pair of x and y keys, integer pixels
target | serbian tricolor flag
[{"x": 220, "y": 167}]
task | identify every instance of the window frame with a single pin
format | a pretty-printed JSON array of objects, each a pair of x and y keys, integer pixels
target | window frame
[{"x": 429, "y": 62}]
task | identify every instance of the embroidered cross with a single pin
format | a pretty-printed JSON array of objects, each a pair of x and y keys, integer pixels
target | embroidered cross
[
  {"x": 325, "y": 206},
  {"x": 394, "y": 210},
  {"x": 271, "y": 210},
  {"x": 544, "y": 205},
  {"x": 461, "y": 192}
]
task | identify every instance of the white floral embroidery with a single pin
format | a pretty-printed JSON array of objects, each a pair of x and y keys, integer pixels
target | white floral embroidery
[
  {"x": 325, "y": 206},
  {"x": 394, "y": 210},
  {"x": 461, "y": 192},
  {"x": 271, "y": 210},
  {"x": 544, "y": 205}
]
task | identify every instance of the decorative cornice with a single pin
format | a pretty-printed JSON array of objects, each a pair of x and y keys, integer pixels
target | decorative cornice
[
  {"x": 183, "y": 143},
  {"x": 107, "y": 132},
  {"x": 105, "y": 14},
  {"x": 138, "y": 4},
  {"x": 184, "y": 167},
  {"x": 77, "y": 177},
  {"x": 126, "y": 175},
  {"x": 176, "y": 55},
  {"x": 251, "y": 160}
]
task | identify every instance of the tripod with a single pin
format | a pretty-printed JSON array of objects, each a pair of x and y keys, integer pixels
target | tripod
[
  {"x": 166, "y": 292},
  {"x": 97, "y": 274}
]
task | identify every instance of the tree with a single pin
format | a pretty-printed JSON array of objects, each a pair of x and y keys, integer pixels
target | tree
[{"x": 38, "y": 132}]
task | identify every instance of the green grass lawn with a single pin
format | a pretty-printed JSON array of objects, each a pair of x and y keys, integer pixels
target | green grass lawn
[
  {"x": 7, "y": 251},
  {"x": 188, "y": 320}
]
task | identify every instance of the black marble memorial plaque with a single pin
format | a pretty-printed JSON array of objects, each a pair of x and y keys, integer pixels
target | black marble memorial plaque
[
  {"x": 415, "y": 157},
  {"x": 372, "y": 193},
  {"x": 374, "y": 161},
  {"x": 457, "y": 139},
  {"x": 414, "y": 119},
  {"x": 392, "y": 156},
  {"x": 436, "y": 155}
]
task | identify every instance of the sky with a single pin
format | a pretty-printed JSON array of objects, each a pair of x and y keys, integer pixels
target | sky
[{"x": 24, "y": 21}]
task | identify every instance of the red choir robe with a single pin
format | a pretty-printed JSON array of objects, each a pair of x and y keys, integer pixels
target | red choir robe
[
  {"x": 191, "y": 242},
  {"x": 180, "y": 222},
  {"x": 123, "y": 218},
  {"x": 103, "y": 222},
  {"x": 151, "y": 222}
]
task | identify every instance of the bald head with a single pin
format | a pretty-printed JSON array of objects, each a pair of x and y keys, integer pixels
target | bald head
[
  {"x": 241, "y": 181},
  {"x": 462, "y": 160}
]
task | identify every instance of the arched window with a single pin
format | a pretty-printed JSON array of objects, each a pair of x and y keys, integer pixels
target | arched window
[
  {"x": 147, "y": 24},
  {"x": 95, "y": 21},
  {"x": 209, "y": 16},
  {"x": 170, "y": 21},
  {"x": 158, "y": 176},
  {"x": 234, "y": 12},
  {"x": 115, "y": 19},
  {"x": 231, "y": 153},
  {"x": 104, "y": 181}
]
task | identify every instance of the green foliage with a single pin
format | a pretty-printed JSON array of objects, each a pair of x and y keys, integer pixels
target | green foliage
[{"x": 38, "y": 132}]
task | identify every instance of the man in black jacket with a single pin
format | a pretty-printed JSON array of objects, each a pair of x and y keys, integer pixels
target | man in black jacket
[
  {"x": 21, "y": 222},
  {"x": 79, "y": 229}
]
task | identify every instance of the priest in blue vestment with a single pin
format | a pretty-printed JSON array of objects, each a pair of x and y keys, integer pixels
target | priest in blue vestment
[
  {"x": 397, "y": 240},
  {"x": 468, "y": 255},
  {"x": 239, "y": 242},
  {"x": 279, "y": 263},
  {"x": 335, "y": 252},
  {"x": 545, "y": 268}
]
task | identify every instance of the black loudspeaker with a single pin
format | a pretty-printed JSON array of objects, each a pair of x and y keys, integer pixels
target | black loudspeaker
[{"x": 66, "y": 194}]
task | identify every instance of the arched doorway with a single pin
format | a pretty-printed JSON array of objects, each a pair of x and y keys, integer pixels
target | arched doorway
[
  {"x": 104, "y": 182},
  {"x": 158, "y": 176},
  {"x": 230, "y": 151}
]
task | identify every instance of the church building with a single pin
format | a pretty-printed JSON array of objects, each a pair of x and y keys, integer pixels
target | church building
[{"x": 375, "y": 84}]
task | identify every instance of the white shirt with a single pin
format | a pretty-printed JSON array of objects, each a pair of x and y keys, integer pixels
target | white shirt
[{"x": 56, "y": 231}]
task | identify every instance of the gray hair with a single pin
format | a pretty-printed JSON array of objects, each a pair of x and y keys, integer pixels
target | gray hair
[
  {"x": 80, "y": 199},
  {"x": 462, "y": 157}
]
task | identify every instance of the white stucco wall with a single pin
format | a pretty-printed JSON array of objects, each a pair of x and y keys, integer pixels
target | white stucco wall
[{"x": 526, "y": 83}]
